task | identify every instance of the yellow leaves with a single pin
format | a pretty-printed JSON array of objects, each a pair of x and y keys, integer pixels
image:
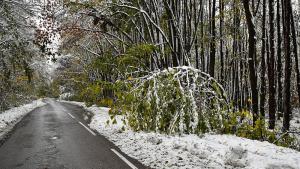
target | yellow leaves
[
  {"x": 246, "y": 114},
  {"x": 107, "y": 102},
  {"x": 21, "y": 78},
  {"x": 130, "y": 78}
]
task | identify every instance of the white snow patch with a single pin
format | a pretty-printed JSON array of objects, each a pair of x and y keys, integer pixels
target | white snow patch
[
  {"x": 295, "y": 121},
  {"x": 191, "y": 151},
  {"x": 65, "y": 96},
  {"x": 10, "y": 117}
]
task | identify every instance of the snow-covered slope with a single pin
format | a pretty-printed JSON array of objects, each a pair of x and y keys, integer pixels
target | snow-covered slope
[
  {"x": 10, "y": 117},
  {"x": 191, "y": 151}
]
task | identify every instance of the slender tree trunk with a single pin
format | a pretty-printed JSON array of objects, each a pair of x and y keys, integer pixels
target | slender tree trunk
[
  {"x": 196, "y": 40},
  {"x": 213, "y": 41},
  {"x": 221, "y": 2},
  {"x": 263, "y": 65},
  {"x": 279, "y": 64},
  {"x": 288, "y": 68},
  {"x": 295, "y": 52},
  {"x": 202, "y": 43},
  {"x": 252, "y": 58},
  {"x": 271, "y": 68}
]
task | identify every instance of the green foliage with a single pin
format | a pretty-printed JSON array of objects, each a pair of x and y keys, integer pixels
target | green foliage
[
  {"x": 54, "y": 90},
  {"x": 16, "y": 91},
  {"x": 17, "y": 78},
  {"x": 136, "y": 57},
  {"x": 45, "y": 90},
  {"x": 42, "y": 91},
  {"x": 240, "y": 124},
  {"x": 179, "y": 100},
  {"x": 287, "y": 140},
  {"x": 103, "y": 89},
  {"x": 91, "y": 94}
]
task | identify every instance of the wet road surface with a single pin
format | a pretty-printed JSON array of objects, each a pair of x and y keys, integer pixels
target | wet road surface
[{"x": 56, "y": 136}]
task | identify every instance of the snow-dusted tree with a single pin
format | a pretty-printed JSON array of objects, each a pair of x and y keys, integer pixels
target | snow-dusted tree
[
  {"x": 17, "y": 51},
  {"x": 120, "y": 40}
]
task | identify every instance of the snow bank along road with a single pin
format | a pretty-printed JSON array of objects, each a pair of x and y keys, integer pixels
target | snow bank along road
[
  {"x": 56, "y": 136},
  {"x": 209, "y": 151}
]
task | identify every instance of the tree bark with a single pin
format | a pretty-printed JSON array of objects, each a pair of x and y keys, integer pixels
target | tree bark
[
  {"x": 251, "y": 59},
  {"x": 213, "y": 41},
  {"x": 271, "y": 68},
  {"x": 288, "y": 68},
  {"x": 279, "y": 64},
  {"x": 221, "y": 3},
  {"x": 263, "y": 64},
  {"x": 295, "y": 52}
]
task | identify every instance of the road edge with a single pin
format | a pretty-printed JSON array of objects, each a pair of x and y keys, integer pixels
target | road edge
[{"x": 8, "y": 131}]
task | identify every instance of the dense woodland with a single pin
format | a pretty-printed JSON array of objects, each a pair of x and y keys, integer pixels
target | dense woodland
[
  {"x": 17, "y": 51},
  {"x": 170, "y": 66}
]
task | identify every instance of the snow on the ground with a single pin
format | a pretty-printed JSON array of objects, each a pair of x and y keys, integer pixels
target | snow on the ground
[
  {"x": 65, "y": 96},
  {"x": 295, "y": 121},
  {"x": 10, "y": 117},
  {"x": 294, "y": 125},
  {"x": 191, "y": 151}
]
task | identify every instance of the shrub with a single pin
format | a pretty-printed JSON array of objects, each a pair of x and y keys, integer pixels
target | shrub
[
  {"x": 241, "y": 124},
  {"x": 176, "y": 100},
  {"x": 91, "y": 94}
]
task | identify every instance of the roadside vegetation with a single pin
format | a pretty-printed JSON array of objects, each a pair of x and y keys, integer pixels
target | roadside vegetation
[
  {"x": 171, "y": 67},
  {"x": 187, "y": 66}
]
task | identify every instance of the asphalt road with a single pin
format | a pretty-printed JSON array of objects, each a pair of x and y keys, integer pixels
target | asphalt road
[{"x": 56, "y": 136}]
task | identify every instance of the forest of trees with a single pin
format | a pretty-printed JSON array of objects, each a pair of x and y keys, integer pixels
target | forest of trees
[
  {"x": 23, "y": 64},
  {"x": 173, "y": 62},
  {"x": 17, "y": 50}
]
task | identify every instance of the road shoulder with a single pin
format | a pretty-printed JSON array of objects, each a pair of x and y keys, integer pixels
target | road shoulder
[{"x": 10, "y": 118}]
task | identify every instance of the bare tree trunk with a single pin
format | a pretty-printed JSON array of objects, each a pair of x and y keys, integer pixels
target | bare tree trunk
[
  {"x": 295, "y": 52},
  {"x": 263, "y": 63},
  {"x": 213, "y": 41},
  {"x": 279, "y": 64},
  {"x": 288, "y": 68},
  {"x": 252, "y": 58},
  {"x": 221, "y": 2},
  {"x": 202, "y": 51},
  {"x": 271, "y": 68}
]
